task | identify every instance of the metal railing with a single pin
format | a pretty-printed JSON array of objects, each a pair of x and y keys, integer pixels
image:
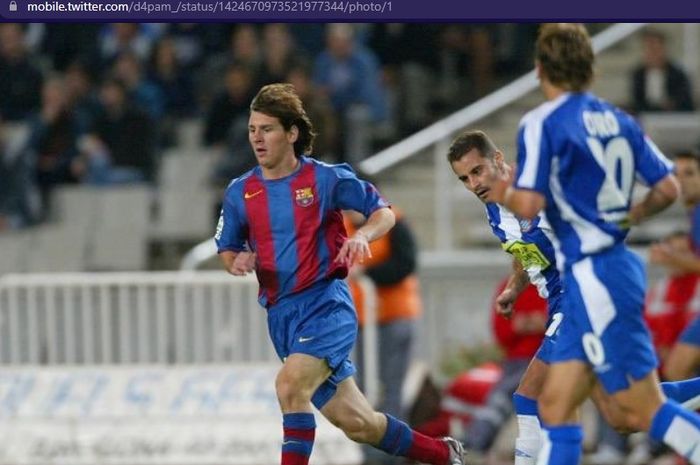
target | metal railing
[
  {"x": 145, "y": 318},
  {"x": 120, "y": 318},
  {"x": 207, "y": 316}
]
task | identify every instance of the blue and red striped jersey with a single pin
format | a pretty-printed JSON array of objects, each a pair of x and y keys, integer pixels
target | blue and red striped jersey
[{"x": 293, "y": 224}]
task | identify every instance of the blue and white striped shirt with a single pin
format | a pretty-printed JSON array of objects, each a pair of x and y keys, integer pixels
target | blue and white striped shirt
[{"x": 583, "y": 154}]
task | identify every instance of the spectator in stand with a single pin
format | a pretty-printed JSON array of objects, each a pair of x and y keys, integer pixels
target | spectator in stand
[
  {"x": 408, "y": 58},
  {"x": 684, "y": 359},
  {"x": 392, "y": 268},
  {"x": 121, "y": 146},
  {"x": 349, "y": 75},
  {"x": 53, "y": 142},
  {"x": 673, "y": 301},
  {"x": 20, "y": 78},
  {"x": 243, "y": 48},
  {"x": 19, "y": 206},
  {"x": 688, "y": 172},
  {"x": 466, "y": 61},
  {"x": 230, "y": 104},
  {"x": 118, "y": 38},
  {"x": 141, "y": 90},
  {"x": 173, "y": 79},
  {"x": 81, "y": 92},
  {"x": 67, "y": 43},
  {"x": 280, "y": 53},
  {"x": 658, "y": 83},
  {"x": 225, "y": 127},
  {"x": 189, "y": 42},
  {"x": 175, "y": 86},
  {"x": 309, "y": 37},
  {"x": 319, "y": 110}
]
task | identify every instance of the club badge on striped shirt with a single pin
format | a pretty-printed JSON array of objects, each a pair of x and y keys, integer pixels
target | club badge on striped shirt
[{"x": 304, "y": 196}]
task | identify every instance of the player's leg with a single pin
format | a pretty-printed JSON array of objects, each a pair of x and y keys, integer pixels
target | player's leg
[
  {"x": 665, "y": 420},
  {"x": 609, "y": 288},
  {"x": 528, "y": 441},
  {"x": 349, "y": 410},
  {"x": 313, "y": 334},
  {"x": 686, "y": 393},
  {"x": 567, "y": 385},
  {"x": 611, "y": 411},
  {"x": 297, "y": 381},
  {"x": 395, "y": 343}
]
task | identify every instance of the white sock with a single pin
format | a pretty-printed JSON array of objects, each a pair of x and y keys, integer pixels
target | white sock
[{"x": 529, "y": 440}]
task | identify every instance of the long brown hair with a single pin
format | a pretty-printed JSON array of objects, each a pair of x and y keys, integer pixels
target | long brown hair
[{"x": 282, "y": 102}]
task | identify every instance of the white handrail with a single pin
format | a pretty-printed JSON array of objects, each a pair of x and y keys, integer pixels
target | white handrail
[
  {"x": 198, "y": 255},
  {"x": 482, "y": 108}
]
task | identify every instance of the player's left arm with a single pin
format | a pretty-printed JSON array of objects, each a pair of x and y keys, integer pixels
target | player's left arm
[
  {"x": 351, "y": 193},
  {"x": 356, "y": 248},
  {"x": 656, "y": 171},
  {"x": 660, "y": 196}
]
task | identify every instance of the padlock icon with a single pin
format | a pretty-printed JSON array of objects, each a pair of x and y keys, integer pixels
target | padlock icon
[{"x": 13, "y": 5}]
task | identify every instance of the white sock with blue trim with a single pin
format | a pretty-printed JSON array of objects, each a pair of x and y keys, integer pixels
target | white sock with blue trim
[{"x": 528, "y": 442}]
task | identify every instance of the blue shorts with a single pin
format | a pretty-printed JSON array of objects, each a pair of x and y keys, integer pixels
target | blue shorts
[
  {"x": 691, "y": 334},
  {"x": 319, "y": 321},
  {"x": 604, "y": 326},
  {"x": 546, "y": 350}
]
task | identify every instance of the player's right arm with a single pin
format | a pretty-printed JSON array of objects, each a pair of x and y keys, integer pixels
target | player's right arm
[
  {"x": 527, "y": 195},
  {"x": 517, "y": 282},
  {"x": 238, "y": 263},
  {"x": 231, "y": 236}
]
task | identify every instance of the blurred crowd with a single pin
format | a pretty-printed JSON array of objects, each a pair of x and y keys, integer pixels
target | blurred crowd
[{"x": 101, "y": 103}]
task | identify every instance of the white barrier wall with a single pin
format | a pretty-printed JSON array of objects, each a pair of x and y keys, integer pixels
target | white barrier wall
[
  {"x": 107, "y": 318},
  {"x": 209, "y": 316},
  {"x": 150, "y": 415}
]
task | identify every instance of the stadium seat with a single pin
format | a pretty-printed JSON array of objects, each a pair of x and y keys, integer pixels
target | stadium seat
[
  {"x": 184, "y": 215},
  {"x": 672, "y": 132},
  {"x": 56, "y": 247},
  {"x": 13, "y": 246},
  {"x": 120, "y": 231},
  {"x": 185, "y": 171}
]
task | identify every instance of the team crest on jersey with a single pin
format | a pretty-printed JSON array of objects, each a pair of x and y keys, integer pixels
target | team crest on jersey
[
  {"x": 525, "y": 225},
  {"x": 304, "y": 197}
]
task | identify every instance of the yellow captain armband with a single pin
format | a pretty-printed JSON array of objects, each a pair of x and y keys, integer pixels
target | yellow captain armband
[{"x": 528, "y": 254}]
